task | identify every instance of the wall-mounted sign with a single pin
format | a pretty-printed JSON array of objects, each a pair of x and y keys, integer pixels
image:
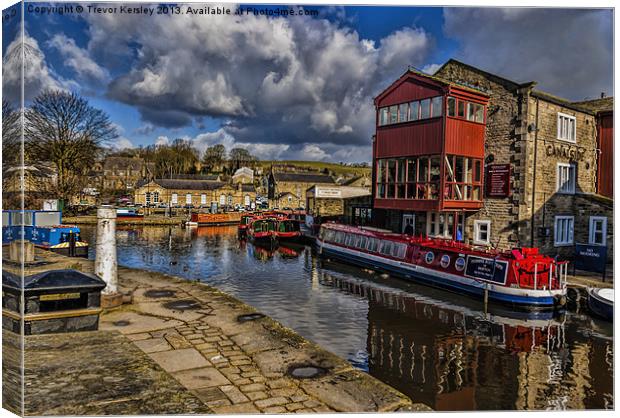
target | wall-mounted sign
[
  {"x": 498, "y": 180},
  {"x": 325, "y": 192},
  {"x": 571, "y": 153}
]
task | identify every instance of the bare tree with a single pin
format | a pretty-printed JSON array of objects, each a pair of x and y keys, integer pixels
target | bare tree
[
  {"x": 213, "y": 157},
  {"x": 63, "y": 129},
  {"x": 11, "y": 136}
]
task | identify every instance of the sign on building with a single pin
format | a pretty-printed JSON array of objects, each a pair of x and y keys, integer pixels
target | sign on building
[
  {"x": 328, "y": 192},
  {"x": 498, "y": 180}
]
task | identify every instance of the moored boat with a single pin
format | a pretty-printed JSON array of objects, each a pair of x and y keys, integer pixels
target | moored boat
[
  {"x": 128, "y": 214},
  {"x": 207, "y": 219},
  {"x": 44, "y": 230},
  {"x": 262, "y": 230},
  {"x": 288, "y": 230},
  {"x": 521, "y": 277},
  {"x": 244, "y": 223},
  {"x": 601, "y": 302}
]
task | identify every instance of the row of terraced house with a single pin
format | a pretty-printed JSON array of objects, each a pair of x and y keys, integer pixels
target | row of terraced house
[{"x": 472, "y": 156}]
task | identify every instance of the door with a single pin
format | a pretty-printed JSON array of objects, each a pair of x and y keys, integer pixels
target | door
[
  {"x": 174, "y": 199},
  {"x": 408, "y": 219},
  {"x": 203, "y": 199},
  {"x": 188, "y": 199},
  {"x": 598, "y": 230}
]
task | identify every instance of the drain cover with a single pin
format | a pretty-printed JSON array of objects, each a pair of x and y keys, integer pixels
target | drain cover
[
  {"x": 306, "y": 371},
  {"x": 250, "y": 317},
  {"x": 159, "y": 293},
  {"x": 122, "y": 323},
  {"x": 182, "y": 305}
]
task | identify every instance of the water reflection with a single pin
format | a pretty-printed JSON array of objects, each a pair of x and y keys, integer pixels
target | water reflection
[{"x": 436, "y": 347}]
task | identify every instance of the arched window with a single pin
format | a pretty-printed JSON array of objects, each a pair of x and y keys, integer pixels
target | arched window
[
  {"x": 246, "y": 201},
  {"x": 222, "y": 199}
]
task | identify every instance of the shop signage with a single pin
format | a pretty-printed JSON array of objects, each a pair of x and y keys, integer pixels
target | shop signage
[
  {"x": 590, "y": 257},
  {"x": 486, "y": 269},
  {"x": 569, "y": 152},
  {"x": 498, "y": 180},
  {"x": 332, "y": 193}
]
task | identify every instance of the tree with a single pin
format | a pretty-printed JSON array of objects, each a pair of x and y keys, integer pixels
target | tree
[
  {"x": 11, "y": 136},
  {"x": 62, "y": 128},
  {"x": 240, "y": 157},
  {"x": 213, "y": 157}
]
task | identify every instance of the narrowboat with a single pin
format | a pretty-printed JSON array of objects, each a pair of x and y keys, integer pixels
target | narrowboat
[
  {"x": 44, "y": 230},
  {"x": 244, "y": 223},
  {"x": 128, "y": 214},
  {"x": 601, "y": 302},
  {"x": 522, "y": 277},
  {"x": 288, "y": 230},
  {"x": 262, "y": 231},
  {"x": 213, "y": 219}
]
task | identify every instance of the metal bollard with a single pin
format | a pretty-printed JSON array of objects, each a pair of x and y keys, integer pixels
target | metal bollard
[{"x": 106, "y": 266}]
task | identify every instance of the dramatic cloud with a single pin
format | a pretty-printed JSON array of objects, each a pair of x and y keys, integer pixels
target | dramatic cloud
[
  {"x": 567, "y": 51},
  {"x": 295, "y": 84},
  {"x": 37, "y": 75},
  {"x": 78, "y": 59}
]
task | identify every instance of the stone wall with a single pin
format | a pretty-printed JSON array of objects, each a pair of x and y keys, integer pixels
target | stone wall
[
  {"x": 165, "y": 195},
  {"x": 503, "y": 145}
]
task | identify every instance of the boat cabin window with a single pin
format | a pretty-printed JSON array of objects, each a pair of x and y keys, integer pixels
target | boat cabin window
[
  {"x": 350, "y": 240},
  {"x": 329, "y": 235},
  {"x": 399, "y": 250},
  {"x": 386, "y": 247},
  {"x": 363, "y": 242},
  {"x": 373, "y": 243},
  {"x": 340, "y": 237}
]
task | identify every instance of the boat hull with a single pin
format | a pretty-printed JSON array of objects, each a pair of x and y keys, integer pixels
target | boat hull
[
  {"x": 518, "y": 298},
  {"x": 600, "y": 307}
]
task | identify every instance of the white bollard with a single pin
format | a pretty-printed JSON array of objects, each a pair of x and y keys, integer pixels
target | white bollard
[{"x": 105, "y": 256}]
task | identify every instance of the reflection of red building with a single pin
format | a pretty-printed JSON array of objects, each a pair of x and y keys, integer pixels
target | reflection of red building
[{"x": 428, "y": 152}]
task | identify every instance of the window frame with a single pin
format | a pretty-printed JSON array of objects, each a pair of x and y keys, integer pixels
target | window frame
[
  {"x": 477, "y": 224},
  {"x": 572, "y": 171},
  {"x": 570, "y": 233},
  {"x": 572, "y": 140},
  {"x": 591, "y": 221}
]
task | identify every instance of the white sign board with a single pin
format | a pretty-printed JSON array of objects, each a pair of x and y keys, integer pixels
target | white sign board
[
  {"x": 331, "y": 193},
  {"x": 51, "y": 204}
]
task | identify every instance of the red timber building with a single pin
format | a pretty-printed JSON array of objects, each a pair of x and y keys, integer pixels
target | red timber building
[{"x": 428, "y": 155}]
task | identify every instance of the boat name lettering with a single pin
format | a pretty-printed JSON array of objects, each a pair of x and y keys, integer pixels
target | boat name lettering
[{"x": 486, "y": 269}]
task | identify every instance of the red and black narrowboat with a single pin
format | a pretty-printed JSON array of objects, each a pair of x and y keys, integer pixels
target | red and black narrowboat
[
  {"x": 288, "y": 230},
  {"x": 521, "y": 277},
  {"x": 244, "y": 223},
  {"x": 262, "y": 231}
]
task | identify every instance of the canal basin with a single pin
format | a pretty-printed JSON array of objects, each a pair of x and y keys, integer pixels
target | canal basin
[{"x": 434, "y": 346}]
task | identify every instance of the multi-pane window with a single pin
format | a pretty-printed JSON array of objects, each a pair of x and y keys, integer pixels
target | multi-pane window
[
  {"x": 566, "y": 178},
  {"x": 412, "y": 111},
  {"x": 598, "y": 230},
  {"x": 564, "y": 226},
  {"x": 567, "y": 127},
  {"x": 156, "y": 197},
  {"x": 482, "y": 232},
  {"x": 463, "y": 178},
  {"x": 148, "y": 198},
  {"x": 470, "y": 111}
]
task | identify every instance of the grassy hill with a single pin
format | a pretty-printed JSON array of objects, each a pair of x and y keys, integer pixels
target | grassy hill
[{"x": 334, "y": 168}]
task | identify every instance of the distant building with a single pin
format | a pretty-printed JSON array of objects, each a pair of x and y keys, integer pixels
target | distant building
[
  {"x": 118, "y": 173},
  {"x": 195, "y": 193},
  {"x": 294, "y": 183},
  {"x": 39, "y": 182},
  {"x": 243, "y": 175},
  {"x": 329, "y": 201}
]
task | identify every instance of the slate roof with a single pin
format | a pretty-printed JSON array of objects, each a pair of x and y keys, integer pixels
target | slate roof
[
  {"x": 303, "y": 178},
  {"x": 605, "y": 104},
  {"x": 184, "y": 184},
  {"x": 207, "y": 177}
]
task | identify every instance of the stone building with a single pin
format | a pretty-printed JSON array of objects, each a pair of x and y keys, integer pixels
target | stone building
[
  {"x": 279, "y": 183},
  {"x": 243, "y": 175},
  {"x": 194, "y": 193},
  {"x": 118, "y": 173},
  {"x": 539, "y": 178},
  {"x": 329, "y": 201}
]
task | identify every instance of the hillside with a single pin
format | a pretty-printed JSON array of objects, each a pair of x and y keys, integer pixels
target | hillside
[{"x": 334, "y": 168}]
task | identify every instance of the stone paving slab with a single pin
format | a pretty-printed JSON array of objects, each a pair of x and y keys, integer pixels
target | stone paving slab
[{"x": 99, "y": 373}]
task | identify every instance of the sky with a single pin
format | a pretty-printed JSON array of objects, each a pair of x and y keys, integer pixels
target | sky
[{"x": 295, "y": 87}]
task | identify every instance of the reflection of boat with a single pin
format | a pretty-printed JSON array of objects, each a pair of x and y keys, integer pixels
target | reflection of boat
[
  {"x": 128, "y": 214},
  {"x": 260, "y": 252},
  {"x": 289, "y": 251},
  {"x": 262, "y": 230},
  {"x": 288, "y": 230},
  {"x": 43, "y": 229},
  {"x": 521, "y": 277},
  {"x": 601, "y": 302}
]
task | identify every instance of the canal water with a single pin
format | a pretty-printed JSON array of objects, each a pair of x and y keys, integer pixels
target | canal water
[{"x": 437, "y": 347}]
